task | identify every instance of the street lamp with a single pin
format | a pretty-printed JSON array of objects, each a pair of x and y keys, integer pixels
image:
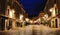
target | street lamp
[{"x": 51, "y": 9}]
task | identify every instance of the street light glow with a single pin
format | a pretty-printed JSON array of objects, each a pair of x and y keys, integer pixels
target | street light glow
[
  {"x": 27, "y": 19},
  {"x": 31, "y": 21},
  {"x": 53, "y": 13},
  {"x": 11, "y": 13},
  {"x": 51, "y": 10},
  {"x": 46, "y": 16},
  {"x": 21, "y": 17}
]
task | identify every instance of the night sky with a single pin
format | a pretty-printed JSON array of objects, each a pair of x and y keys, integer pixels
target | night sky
[{"x": 33, "y": 7}]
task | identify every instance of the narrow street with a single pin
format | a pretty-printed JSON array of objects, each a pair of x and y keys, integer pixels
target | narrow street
[
  {"x": 29, "y": 17},
  {"x": 32, "y": 30}
]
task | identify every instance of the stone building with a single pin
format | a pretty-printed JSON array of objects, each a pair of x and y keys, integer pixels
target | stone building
[
  {"x": 10, "y": 11},
  {"x": 54, "y": 19}
]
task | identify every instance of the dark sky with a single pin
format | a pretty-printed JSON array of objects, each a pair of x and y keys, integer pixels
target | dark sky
[{"x": 33, "y": 7}]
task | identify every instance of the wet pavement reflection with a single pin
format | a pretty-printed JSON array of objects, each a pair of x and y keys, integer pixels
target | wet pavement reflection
[{"x": 33, "y": 30}]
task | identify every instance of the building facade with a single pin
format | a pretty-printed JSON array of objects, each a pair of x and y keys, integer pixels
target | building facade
[{"x": 10, "y": 11}]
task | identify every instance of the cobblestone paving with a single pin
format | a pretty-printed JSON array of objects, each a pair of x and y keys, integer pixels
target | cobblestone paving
[{"x": 33, "y": 30}]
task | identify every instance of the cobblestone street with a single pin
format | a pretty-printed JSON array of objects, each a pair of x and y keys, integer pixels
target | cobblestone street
[{"x": 33, "y": 30}]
